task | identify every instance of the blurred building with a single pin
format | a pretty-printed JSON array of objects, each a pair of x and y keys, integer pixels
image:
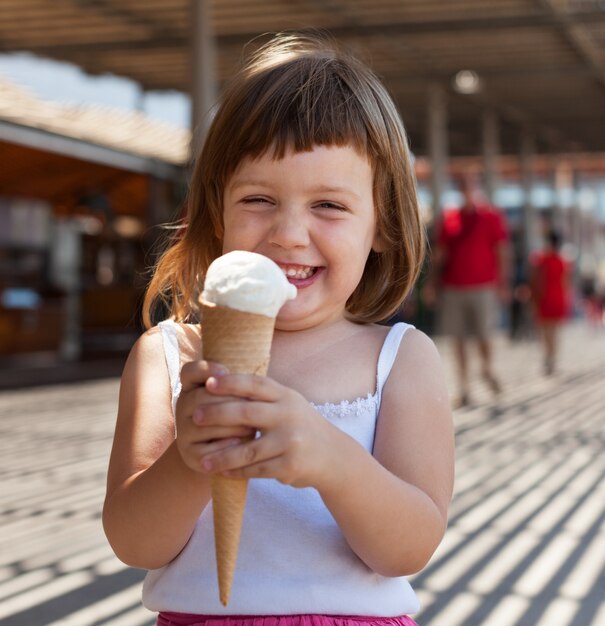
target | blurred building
[{"x": 82, "y": 192}]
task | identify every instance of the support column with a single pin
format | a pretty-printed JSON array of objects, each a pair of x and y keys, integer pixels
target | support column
[
  {"x": 437, "y": 144},
  {"x": 526, "y": 166},
  {"x": 204, "y": 91},
  {"x": 491, "y": 152},
  {"x": 561, "y": 182},
  {"x": 583, "y": 275},
  {"x": 576, "y": 218},
  {"x": 158, "y": 212}
]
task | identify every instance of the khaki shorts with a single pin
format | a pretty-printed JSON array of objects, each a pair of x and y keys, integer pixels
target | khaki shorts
[{"x": 468, "y": 312}]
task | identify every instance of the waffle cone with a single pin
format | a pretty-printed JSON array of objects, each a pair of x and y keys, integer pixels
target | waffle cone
[{"x": 242, "y": 343}]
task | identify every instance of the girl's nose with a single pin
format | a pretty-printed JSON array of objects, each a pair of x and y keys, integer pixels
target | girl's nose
[{"x": 289, "y": 230}]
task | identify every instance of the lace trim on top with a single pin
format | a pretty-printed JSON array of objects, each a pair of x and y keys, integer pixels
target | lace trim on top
[{"x": 347, "y": 408}]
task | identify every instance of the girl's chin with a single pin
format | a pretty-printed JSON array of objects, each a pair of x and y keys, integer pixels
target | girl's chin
[
  {"x": 293, "y": 316},
  {"x": 288, "y": 314}
]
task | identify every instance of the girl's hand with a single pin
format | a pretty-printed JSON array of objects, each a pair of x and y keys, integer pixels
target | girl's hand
[
  {"x": 193, "y": 438},
  {"x": 293, "y": 443}
]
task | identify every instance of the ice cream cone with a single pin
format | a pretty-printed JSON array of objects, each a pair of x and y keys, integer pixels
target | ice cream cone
[
  {"x": 243, "y": 293},
  {"x": 241, "y": 341}
]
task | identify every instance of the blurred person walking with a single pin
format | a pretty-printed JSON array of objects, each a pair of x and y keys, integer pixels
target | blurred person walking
[
  {"x": 470, "y": 274},
  {"x": 550, "y": 281}
]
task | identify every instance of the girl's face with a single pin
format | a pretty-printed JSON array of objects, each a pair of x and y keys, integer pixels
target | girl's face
[{"x": 312, "y": 213}]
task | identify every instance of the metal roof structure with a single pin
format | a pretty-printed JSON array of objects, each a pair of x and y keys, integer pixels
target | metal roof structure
[{"x": 540, "y": 63}]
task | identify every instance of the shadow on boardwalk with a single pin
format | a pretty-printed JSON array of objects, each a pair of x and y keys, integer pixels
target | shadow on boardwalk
[{"x": 526, "y": 543}]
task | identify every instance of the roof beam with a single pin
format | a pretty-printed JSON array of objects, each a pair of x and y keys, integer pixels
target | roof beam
[
  {"x": 110, "y": 9},
  {"x": 164, "y": 39},
  {"x": 590, "y": 53}
]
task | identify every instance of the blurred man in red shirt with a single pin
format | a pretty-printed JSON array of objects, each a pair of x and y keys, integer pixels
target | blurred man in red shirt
[{"x": 470, "y": 259}]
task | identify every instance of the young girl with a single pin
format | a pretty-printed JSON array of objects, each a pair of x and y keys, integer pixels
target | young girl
[
  {"x": 306, "y": 162},
  {"x": 550, "y": 287}
]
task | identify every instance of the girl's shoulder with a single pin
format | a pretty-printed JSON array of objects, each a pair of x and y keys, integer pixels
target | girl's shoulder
[
  {"x": 411, "y": 353},
  {"x": 150, "y": 347},
  {"x": 147, "y": 346},
  {"x": 187, "y": 336},
  {"x": 417, "y": 368},
  {"x": 415, "y": 342},
  {"x": 404, "y": 333},
  {"x": 144, "y": 371},
  {"x": 401, "y": 343}
]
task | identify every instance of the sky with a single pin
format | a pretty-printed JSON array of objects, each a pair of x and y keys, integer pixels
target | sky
[{"x": 67, "y": 83}]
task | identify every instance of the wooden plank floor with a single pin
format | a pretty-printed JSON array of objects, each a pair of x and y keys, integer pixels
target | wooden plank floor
[{"x": 525, "y": 546}]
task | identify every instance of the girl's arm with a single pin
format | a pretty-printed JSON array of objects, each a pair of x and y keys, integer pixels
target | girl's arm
[
  {"x": 155, "y": 491},
  {"x": 391, "y": 507}
]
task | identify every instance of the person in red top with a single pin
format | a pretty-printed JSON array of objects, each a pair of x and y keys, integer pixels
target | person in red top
[
  {"x": 470, "y": 257},
  {"x": 549, "y": 282}
]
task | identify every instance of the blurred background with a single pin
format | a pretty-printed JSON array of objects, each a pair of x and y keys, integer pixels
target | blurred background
[{"x": 97, "y": 99}]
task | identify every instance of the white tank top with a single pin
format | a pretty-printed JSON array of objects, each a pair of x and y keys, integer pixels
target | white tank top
[{"x": 293, "y": 558}]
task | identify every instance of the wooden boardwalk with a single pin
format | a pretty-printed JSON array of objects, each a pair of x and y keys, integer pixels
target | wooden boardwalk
[{"x": 525, "y": 547}]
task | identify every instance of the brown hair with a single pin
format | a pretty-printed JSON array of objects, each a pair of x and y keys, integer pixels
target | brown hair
[{"x": 296, "y": 92}]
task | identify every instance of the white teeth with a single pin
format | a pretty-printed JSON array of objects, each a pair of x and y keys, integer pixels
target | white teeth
[{"x": 299, "y": 273}]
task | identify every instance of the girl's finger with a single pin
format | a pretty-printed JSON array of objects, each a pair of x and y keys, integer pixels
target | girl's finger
[
  {"x": 196, "y": 373},
  {"x": 250, "y": 453},
  {"x": 189, "y": 400},
  {"x": 219, "y": 445},
  {"x": 256, "y": 415},
  {"x": 244, "y": 386},
  {"x": 210, "y": 433},
  {"x": 269, "y": 468}
]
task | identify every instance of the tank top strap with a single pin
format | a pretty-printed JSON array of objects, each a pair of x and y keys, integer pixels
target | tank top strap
[
  {"x": 387, "y": 356},
  {"x": 173, "y": 358}
]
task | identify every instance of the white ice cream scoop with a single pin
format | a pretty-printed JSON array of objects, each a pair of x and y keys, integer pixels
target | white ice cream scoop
[{"x": 247, "y": 281}]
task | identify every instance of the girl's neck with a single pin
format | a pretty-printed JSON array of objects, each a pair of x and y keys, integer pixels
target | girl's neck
[
  {"x": 332, "y": 330},
  {"x": 327, "y": 363}
]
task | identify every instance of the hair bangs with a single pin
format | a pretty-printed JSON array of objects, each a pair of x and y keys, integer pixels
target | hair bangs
[{"x": 304, "y": 104}]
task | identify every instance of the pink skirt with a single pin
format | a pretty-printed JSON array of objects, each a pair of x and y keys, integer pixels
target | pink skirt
[{"x": 184, "y": 619}]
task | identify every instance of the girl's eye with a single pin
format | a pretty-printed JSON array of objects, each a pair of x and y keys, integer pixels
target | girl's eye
[
  {"x": 330, "y": 205},
  {"x": 255, "y": 200}
]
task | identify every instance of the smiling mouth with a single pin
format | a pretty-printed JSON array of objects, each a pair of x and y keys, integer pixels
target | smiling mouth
[{"x": 298, "y": 272}]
